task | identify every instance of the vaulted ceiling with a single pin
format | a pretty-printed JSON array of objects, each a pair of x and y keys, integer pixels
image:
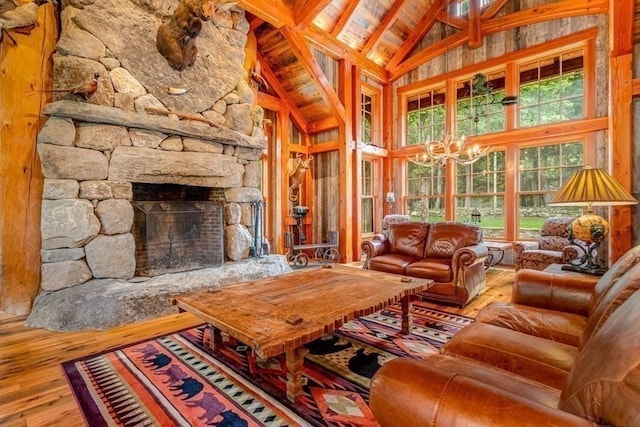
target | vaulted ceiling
[{"x": 382, "y": 37}]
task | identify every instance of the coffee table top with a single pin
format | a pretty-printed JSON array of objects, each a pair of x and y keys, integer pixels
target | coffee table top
[{"x": 282, "y": 313}]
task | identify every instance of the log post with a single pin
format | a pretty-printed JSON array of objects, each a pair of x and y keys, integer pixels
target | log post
[{"x": 26, "y": 70}]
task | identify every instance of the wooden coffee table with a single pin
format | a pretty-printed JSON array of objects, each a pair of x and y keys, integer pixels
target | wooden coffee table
[{"x": 281, "y": 314}]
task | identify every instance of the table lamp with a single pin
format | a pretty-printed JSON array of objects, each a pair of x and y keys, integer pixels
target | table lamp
[{"x": 590, "y": 187}]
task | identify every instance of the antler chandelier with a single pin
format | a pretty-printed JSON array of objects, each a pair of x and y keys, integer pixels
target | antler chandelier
[{"x": 452, "y": 148}]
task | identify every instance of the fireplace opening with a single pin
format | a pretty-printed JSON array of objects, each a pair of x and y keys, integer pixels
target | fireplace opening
[{"x": 177, "y": 228}]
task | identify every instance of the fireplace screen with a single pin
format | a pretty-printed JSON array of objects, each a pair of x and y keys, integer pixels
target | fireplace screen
[{"x": 177, "y": 236}]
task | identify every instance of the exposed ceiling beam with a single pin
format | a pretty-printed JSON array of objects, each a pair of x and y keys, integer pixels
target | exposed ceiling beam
[
  {"x": 493, "y": 9},
  {"x": 340, "y": 50},
  {"x": 433, "y": 51},
  {"x": 344, "y": 18},
  {"x": 322, "y": 125},
  {"x": 453, "y": 21},
  {"x": 423, "y": 27},
  {"x": 277, "y": 87},
  {"x": 274, "y": 12},
  {"x": 303, "y": 53},
  {"x": 475, "y": 32},
  {"x": 255, "y": 22},
  {"x": 306, "y": 11},
  {"x": 547, "y": 12},
  {"x": 386, "y": 22}
]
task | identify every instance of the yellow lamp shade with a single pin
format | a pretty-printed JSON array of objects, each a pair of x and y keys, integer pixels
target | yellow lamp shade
[{"x": 590, "y": 228}]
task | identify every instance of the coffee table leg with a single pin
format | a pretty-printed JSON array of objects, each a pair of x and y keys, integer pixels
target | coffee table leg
[
  {"x": 295, "y": 358},
  {"x": 406, "y": 303}
]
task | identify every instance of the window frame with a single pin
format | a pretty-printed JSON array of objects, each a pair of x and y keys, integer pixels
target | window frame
[{"x": 512, "y": 138}]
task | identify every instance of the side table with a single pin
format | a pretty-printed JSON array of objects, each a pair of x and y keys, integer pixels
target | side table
[{"x": 496, "y": 253}]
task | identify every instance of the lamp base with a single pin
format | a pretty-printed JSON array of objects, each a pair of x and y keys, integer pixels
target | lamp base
[{"x": 598, "y": 271}]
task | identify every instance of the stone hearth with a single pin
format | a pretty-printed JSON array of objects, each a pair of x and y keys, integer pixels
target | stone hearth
[{"x": 107, "y": 303}]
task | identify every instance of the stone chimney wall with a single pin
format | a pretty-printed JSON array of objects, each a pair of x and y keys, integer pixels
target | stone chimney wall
[{"x": 208, "y": 133}]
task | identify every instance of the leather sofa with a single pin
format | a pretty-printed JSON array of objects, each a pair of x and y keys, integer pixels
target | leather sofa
[
  {"x": 522, "y": 365},
  {"x": 452, "y": 254}
]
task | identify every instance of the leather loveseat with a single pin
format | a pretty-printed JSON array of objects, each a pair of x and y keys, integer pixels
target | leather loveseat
[
  {"x": 452, "y": 254},
  {"x": 522, "y": 365}
]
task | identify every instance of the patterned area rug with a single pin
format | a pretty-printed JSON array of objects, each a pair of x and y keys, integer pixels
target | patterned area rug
[{"x": 177, "y": 380}]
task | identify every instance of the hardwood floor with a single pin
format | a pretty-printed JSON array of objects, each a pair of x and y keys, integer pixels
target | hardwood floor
[{"x": 34, "y": 390}]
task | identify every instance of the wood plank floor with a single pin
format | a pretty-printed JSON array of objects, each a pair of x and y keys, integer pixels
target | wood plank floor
[{"x": 33, "y": 388}]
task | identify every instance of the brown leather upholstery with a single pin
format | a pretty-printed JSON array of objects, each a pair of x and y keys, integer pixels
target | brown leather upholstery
[
  {"x": 534, "y": 357},
  {"x": 557, "y": 306},
  {"x": 515, "y": 377},
  {"x": 449, "y": 253}
]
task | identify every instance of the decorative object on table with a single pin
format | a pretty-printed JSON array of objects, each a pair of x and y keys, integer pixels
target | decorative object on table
[
  {"x": 552, "y": 247},
  {"x": 179, "y": 380},
  {"x": 590, "y": 187}
]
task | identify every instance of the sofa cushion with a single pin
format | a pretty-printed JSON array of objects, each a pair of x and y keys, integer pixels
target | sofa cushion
[
  {"x": 445, "y": 238},
  {"x": 604, "y": 381},
  {"x": 391, "y": 263},
  {"x": 437, "y": 269},
  {"x": 538, "y": 359},
  {"x": 408, "y": 238}
]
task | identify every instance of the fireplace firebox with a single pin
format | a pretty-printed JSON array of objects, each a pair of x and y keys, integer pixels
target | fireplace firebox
[{"x": 173, "y": 236}]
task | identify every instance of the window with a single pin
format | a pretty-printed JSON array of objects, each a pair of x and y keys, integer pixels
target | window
[
  {"x": 543, "y": 170},
  {"x": 366, "y": 119},
  {"x": 480, "y": 191},
  {"x": 425, "y": 195},
  {"x": 552, "y": 89},
  {"x": 425, "y": 117},
  {"x": 366, "y": 202},
  {"x": 461, "y": 7},
  {"x": 478, "y": 104}
]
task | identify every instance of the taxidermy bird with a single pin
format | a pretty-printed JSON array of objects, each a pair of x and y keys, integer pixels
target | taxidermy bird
[{"x": 84, "y": 89}]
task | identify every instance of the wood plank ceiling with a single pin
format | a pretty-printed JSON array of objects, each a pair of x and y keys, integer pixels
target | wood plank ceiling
[{"x": 380, "y": 36}]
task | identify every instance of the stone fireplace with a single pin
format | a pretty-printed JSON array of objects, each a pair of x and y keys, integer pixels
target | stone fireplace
[{"x": 98, "y": 154}]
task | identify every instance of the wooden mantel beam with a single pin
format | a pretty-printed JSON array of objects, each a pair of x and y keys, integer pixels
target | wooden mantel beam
[
  {"x": 274, "y": 12},
  {"x": 304, "y": 55}
]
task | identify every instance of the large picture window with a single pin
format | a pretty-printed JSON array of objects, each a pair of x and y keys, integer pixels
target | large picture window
[
  {"x": 480, "y": 193},
  {"x": 425, "y": 117},
  {"x": 425, "y": 195},
  {"x": 552, "y": 89},
  {"x": 478, "y": 104},
  {"x": 543, "y": 170}
]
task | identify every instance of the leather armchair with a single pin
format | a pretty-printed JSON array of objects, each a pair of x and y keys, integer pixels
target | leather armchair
[
  {"x": 553, "y": 246},
  {"x": 451, "y": 254},
  {"x": 556, "y": 306},
  {"x": 601, "y": 386}
]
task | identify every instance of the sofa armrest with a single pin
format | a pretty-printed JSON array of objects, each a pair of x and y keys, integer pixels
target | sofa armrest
[
  {"x": 409, "y": 392},
  {"x": 373, "y": 248},
  {"x": 519, "y": 248},
  {"x": 468, "y": 256},
  {"x": 561, "y": 292}
]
